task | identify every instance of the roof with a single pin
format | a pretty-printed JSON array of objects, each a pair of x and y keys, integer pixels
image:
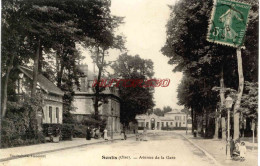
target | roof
[
  {"x": 43, "y": 82},
  {"x": 166, "y": 119}
]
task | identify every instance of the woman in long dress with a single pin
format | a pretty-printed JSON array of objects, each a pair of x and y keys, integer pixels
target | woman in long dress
[
  {"x": 105, "y": 134},
  {"x": 88, "y": 134}
]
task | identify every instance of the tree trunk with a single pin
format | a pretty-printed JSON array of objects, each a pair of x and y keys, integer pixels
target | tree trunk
[
  {"x": 97, "y": 88},
  {"x": 59, "y": 75},
  {"x": 216, "y": 125},
  {"x": 40, "y": 67},
  {"x": 222, "y": 100},
  {"x": 223, "y": 126},
  {"x": 192, "y": 121},
  {"x": 35, "y": 69},
  {"x": 4, "y": 90},
  {"x": 239, "y": 93}
]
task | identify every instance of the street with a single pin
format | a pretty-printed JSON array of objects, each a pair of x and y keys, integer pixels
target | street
[{"x": 167, "y": 148}]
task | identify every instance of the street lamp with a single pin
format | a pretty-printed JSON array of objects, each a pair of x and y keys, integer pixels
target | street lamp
[{"x": 228, "y": 103}]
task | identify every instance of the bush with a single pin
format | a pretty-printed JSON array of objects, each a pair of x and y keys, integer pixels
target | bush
[
  {"x": 19, "y": 127},
  {"x": 52, "y": 129},
  {"x": 67, "y": 131},
  {"x": 12, "y": 137},
  {"x": 80, "y": 131}
]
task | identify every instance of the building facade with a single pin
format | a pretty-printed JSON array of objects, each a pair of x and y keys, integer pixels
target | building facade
[
  {"x": 173, "y": 119},
  {"x": 52, "y": 109},
  {"x": 84, "y": 101}
]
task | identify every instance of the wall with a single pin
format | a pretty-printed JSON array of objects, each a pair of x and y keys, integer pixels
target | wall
[{"x": 46, "y": 112}]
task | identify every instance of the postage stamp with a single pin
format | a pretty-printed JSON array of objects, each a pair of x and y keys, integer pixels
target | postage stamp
[{"x": 228, "y": 23}]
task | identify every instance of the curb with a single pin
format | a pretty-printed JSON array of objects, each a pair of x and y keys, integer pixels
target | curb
[
  {"x": 204, "y": 151},
  {"x": 55, "y": 150}
]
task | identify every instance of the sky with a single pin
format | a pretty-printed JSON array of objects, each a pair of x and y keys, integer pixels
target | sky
[{"x": 145, "y": 33}]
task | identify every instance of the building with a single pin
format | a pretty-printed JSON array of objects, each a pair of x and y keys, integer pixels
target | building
[
  {"x": 174, "y": 119},
  {"x": 52, "y": 109},
  {"x": 84, "y": 100}
]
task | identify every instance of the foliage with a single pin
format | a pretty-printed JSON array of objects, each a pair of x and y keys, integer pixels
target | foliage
[
  {"x": 159, "y": 112},
  {"x": 20, "y": 125},
  {"x": 51, "y": 30},
  {"x": 134, "y": 100},
  {"x": 51, "y": 129},
  {"x": 200, "y": 61},
  {"x": 67, "y": 131},
  {"x": 80, "y": 131},
  {"x": 249, "y": 102}
]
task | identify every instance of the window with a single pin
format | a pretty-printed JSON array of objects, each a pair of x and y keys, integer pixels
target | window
[
  {"x": 50, "y": 114},
  {"x": 166, "y": 123},
  {"x": 180, "y": 124},
  {"x": 147, "y": 124},
  {"x": 162, "y": 124},
  {"x": 141, "y": 124},
  {"x": 183, "y": 122},
  {"x": 171, "y": 123},
  {"x": 57, "y": 114}
]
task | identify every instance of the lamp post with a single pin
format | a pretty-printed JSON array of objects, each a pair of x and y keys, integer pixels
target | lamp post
[{"x": 228, "y": 103}]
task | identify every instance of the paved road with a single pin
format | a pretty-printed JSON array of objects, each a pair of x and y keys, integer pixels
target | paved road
[{"x": 170, "y": 148}]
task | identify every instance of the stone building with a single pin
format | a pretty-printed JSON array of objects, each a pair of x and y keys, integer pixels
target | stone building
[
  {"x": 84, "y": 100},
  {"x": 52, "y": 109},
  {"x": 173, "y": 119}
]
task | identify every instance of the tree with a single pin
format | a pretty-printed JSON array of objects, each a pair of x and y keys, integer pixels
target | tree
[
  {"x": 249, "y": 102},
  {"x": 52, "y": 28},
  {"x": 158, "y": 112},
  {"x": 167, "y": 109},
  {"x": 134, "y": 100},
  {"x": 201, "y": 61}
]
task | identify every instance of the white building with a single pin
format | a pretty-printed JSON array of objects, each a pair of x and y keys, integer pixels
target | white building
[{"x": 174, "y": 119}]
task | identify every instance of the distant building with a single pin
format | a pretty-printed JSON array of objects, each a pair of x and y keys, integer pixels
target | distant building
[
  {"x": 173, "y": 119},
  {"x": 84, "y": 100},
  {"x": 52, "y": 109}
]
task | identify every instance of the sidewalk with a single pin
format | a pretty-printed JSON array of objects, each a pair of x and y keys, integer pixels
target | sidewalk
[
  {"x": 217, "y": 149},
  {"x": 17, "y": 152}
]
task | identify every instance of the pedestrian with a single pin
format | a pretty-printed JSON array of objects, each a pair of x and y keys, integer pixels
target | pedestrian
[
  {"x": 237, "y": 146},
  {"x": 88, "y": 134},
  {"x": 93, "y": 131},
  {"x": 137, "y": 135},
  {"x": 105, "y": 134},
  {"x": 123, "y": 134},
  {"x": 242, "y": 150},
  {"x": 232, "y": 147},
  {"x": 195, "y": 133},
  {"x": 97, "y": 132}
]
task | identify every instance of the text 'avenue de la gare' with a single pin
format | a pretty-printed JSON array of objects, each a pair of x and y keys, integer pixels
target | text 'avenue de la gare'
[
  {"x": 133, "y": 83},
  {"x": 122, "y": 157}
]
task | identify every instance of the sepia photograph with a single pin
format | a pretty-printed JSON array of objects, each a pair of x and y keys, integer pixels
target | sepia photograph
[{"x": 129, "y": 82}]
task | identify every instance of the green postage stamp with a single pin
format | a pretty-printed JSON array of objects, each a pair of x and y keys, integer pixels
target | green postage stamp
[{"x": 228, "y": 23}]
